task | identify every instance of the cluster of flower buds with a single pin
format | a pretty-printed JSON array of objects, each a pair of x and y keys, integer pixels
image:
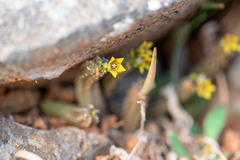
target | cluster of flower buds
[
  {"x": 100, "y": 66},
  {"x": 230, "y": 43},
  {"x": 137, "y": 58},
  {"x": 140, "y": 57},
  {"x": 97, "y": 67}
]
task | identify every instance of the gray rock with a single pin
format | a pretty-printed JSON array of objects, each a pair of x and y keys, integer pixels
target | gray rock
[
  {"x": 41, "y": 39},
  {"x": 68, "y": 143}
]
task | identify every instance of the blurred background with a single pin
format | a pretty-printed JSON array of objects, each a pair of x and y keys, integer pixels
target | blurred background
[{"x": 54, "y": 59}]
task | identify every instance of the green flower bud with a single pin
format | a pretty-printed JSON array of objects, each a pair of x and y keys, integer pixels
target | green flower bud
[{"x": 100, "y": 63}]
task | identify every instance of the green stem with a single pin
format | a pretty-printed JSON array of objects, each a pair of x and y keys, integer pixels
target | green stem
[
  {"x": 182, "y": 35},
  {"x": 87, "y": 86},
  {"x": 80, "y": 117}
]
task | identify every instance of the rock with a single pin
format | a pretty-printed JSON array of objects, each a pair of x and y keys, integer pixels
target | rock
[
  {"x": 69, "y": 143},
  {"x": 18, "y": 100},
  {"x": 42, "y": 39}
]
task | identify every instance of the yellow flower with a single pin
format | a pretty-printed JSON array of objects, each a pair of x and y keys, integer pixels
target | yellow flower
[
  {"x": 115, "y": 67},
  {"x": 145, "y": 64},
  {"x": 94, "y": 112},
  {"x": 205, "y": 89},
  {"x": 144, "y": 56},
  {"x": 146, "y": 45},
  {"x": 229, "y": 43}
]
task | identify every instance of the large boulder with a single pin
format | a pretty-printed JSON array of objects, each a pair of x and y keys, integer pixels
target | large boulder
[
  {"x": 41, "y": 39},
  {"x": 69, "y": 143}
]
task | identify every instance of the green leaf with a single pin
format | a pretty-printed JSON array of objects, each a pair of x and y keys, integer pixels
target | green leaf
[
  {"x": 214, "y": 122},
  {"x": 177, "y": 146},
  {"x": 212, "y": 5},
  {"x": 195, "y": 106},
  {"x": 195, "y": 129}
]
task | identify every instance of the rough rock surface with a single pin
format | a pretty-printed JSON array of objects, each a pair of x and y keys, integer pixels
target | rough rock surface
[
  {"x": 69, "y": 143},
  {"x": 41, "y": 39}
]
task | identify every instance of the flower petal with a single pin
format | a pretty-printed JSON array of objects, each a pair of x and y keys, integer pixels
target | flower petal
[
  {"x": 229, "y": 43},
  {"x": 143, "y": 45},
  {"x": 149, "y": 45},
  {"x": 147, "y": 66},
  {"x": 119, "y": 60},
  {"x": 141, "y": 69},
  {"x": 207, "y": 95},
  {"x": 200, "y": 94},
  {"x": 234, "y": 47},
  {"x": 235, "y": 38},
  {"x": 112, "y": 59},
  {"x": 109, "y": 63},
  {"x": 114, "y": 73},
  {"x": 148, "y": 59},
  {"x": 121, "y": 68},
  {"x": 227, "y": 49},
  {"x": 211, "y": 88},
  {"x": 207, "y": 82},
  {"x": 205, "y": 89},
  {"x": 149, "y": 52}
]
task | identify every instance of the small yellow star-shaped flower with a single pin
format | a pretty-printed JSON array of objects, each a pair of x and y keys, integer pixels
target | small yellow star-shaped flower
[
  {"x": 229, "y": 43},
  {"x": 115, "y": 66},
  {"x": 205, "y": 88}
]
